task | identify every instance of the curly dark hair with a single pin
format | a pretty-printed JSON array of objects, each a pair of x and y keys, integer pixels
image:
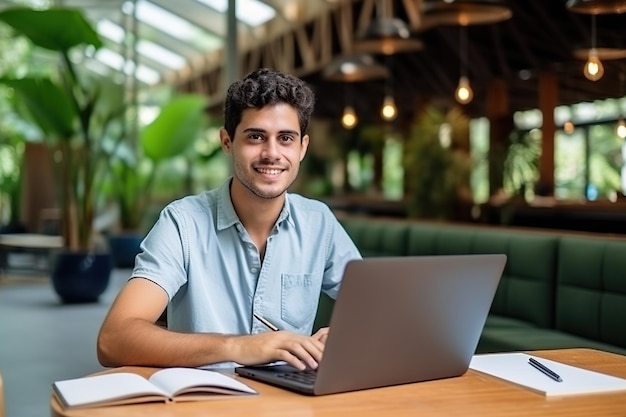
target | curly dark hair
[{"x": 264, "y": 87}]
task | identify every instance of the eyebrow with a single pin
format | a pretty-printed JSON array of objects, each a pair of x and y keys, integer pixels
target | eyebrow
[{"x": 284, "y": 131}]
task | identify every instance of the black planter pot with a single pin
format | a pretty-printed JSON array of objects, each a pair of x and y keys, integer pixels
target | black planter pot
[
  {"x": 11, "y": 228},
  {"x": 81, "y": 277},
  {"x": 124, "y": 248}
]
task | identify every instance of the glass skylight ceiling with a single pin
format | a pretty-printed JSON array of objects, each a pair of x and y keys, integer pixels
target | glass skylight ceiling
[
  {"x": 116, "y": 61},
  {"x": 175, "y": 37},
  {"x": 149, "y": 49},
  {"x": 157, "y": 56},
  {"x": 251, "y": 12},
  {"x": 165, "y": 21}
]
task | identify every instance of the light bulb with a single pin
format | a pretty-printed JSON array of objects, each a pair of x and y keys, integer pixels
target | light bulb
[
  {"x": 464, "y": 93},
  {"x": 621, "y": 128},
  {"x": 389, "y": 110},
  {"x": 594, "y": 70},
  {"x": 349, "y": 119}
]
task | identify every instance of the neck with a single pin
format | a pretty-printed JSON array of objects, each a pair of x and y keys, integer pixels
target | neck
[{"x": 258, "y": 215}]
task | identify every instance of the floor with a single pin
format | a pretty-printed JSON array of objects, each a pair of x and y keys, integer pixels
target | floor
[{"x": 43, "y": 340}]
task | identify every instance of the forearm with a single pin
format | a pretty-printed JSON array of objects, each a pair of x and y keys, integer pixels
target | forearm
[{"x": 139, "y": 342}]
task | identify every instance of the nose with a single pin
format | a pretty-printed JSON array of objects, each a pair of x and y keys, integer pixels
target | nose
[{"x": 271, "y": 151}]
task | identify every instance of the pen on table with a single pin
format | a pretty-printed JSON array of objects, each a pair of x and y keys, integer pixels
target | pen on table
[
  {"x": 267, "y": 323},
  {"x": 547, "y": 371}
]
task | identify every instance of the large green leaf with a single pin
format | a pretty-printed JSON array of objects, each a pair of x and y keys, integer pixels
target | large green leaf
[
  {"x": 57, "y": 29},
  {"x": 107, "y": 96},
  {"x": 47, "y": 103},
  {"x": 175, "y": 128}
]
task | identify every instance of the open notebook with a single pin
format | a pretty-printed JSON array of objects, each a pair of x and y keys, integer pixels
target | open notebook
[{"x": 398, "y": 320}]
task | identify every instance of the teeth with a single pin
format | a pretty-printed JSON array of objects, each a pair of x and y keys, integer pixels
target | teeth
[{"x": 269, "y": 171}]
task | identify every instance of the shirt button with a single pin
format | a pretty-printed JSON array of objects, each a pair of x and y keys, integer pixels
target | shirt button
[{"x": 254, "y": 270}]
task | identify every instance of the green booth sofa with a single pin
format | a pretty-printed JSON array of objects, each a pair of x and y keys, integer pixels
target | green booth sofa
[{"x": 558, "y": 289}]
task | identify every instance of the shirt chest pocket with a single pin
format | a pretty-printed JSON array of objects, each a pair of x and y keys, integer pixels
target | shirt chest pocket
[{"x": 299, "y": 297}]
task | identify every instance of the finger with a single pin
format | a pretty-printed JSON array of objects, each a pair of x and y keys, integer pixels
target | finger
[
  {"x": 305, "y": 350},
  {"x": 291, "y": 359},
  {"x": 310, "y": 352},
  {"x": 321, "y": 335}
]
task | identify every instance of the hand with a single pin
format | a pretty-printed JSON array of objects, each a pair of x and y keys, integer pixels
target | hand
[
  {"x": 321, "y": 335},
  {"x": 297, "y": 350}
]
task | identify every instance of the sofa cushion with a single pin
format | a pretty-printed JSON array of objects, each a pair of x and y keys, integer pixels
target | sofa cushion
[
  {"x": 501, "y": 339},
  {"x": 526, "y": 289},
  {"x": 591, "y": 289},
  {"x": 454, "y": 241},
  {"x": 354, "y": 227},
  {"x": 496, "y": 321},
  {"x": 421, "y": 239}
]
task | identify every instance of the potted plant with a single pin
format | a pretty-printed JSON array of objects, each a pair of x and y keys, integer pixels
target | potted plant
[
  {"x": 134, "y": 169},
  {"x": 73, "y": 111},
  {"x": 437, "y": 173},
  {"x": 13, "y": 138},
  {"x": 11, "y": 177}
]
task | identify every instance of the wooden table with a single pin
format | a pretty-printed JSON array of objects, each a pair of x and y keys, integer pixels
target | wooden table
[
  {"x": 472, "y": 394},
  {"x": 34, "y": 243}
]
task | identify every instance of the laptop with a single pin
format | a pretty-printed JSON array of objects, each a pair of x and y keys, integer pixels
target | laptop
[{"x": 398, "y": 320}]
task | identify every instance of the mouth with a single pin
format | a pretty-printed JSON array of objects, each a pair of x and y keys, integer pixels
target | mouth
[{"x": 269, "y": 171}]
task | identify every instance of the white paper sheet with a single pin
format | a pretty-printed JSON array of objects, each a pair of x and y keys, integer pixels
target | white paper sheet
[{"x": 514, "y": 367}]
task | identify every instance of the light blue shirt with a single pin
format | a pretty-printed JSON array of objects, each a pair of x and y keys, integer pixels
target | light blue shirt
[{"x": 201, "y": 255}]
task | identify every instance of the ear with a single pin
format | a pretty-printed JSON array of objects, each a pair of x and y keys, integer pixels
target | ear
[
  {"x": 304, "y": 147},
  {"x": 225, "y": 141}
]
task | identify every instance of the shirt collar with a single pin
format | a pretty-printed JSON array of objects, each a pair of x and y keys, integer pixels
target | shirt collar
[{"x": 226, "y": 215}]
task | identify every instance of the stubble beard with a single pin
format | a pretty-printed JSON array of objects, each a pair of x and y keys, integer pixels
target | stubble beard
[{"x": 249, "y": 184}]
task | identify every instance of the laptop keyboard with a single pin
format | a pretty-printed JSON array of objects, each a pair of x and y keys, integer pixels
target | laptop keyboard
[{"x": 306, "y": 377}]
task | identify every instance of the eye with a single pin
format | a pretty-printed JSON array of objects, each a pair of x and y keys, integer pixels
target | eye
[
  {"x": 286, "y": 139},
  {"x": 255, "y": 137}
]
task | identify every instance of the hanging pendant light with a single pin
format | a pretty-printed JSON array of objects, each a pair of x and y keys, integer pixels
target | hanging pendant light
[
  {"x": 465, "y": 12},
  {"x": 389, "y": 111},
  {"x": 603, "y": 53},
  {"x": 352, "y": 69},
  {"x": 596, "y": 55},
  {"x": 593, "y": 70},
  {"x": 597, "y": 6},
  {"x": 463, "y": 93},
  {"x": 349, "y": 119},
  {"x": 386, "y": 34},
  {"x": 355, "y": 68}
]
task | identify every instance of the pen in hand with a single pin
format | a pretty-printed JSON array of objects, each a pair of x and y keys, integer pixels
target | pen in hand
[
  {"x": 544, "y": 369},
  {"x": 267, "y": 323}
]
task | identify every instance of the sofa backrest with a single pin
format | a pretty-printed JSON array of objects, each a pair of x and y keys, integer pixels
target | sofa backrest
[
  {"x": 526, "y": 290},
  {"x": 573, "y": 283},
  {"x": 375, "y": 237},
  {"x": 591, "y": 289}
]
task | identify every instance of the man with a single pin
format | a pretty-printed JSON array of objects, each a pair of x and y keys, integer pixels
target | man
[{"x": 227, "y": 260}]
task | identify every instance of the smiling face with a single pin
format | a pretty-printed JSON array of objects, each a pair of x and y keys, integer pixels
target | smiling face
[{"x": 267, "y": 150}]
